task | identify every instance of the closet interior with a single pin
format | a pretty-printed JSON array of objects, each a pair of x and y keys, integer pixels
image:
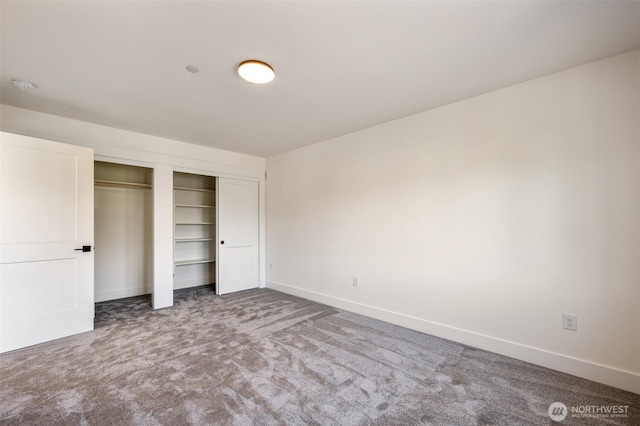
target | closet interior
[
  {"x": 123, "y": 231},
  {"x": 194, "y": 230}
]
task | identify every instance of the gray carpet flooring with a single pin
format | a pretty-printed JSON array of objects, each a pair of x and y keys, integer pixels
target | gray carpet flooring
[{"x": 261, "y": 357}]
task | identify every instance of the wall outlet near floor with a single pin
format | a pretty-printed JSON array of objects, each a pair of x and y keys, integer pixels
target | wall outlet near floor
[
  {"x": 271, "y": 266},
  {"x": 570, "y": 322},
  {"x": 356, "y": 282}
]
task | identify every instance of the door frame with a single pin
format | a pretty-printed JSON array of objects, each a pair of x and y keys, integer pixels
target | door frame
[{"x": 262, "y": 273}]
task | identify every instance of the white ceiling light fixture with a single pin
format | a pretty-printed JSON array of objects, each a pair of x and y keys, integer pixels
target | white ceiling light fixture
[
  {"x": 23, "y": 84},
  {"x": 255, "y": 71}
]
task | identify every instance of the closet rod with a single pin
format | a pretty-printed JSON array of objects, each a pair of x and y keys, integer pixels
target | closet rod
[{"x": 122, "y": 184}]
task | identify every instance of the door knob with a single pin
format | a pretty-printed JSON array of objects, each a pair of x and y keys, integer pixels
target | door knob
[
  {"x": 221, "y": 242},
  {"x": 84, "y": 249}
]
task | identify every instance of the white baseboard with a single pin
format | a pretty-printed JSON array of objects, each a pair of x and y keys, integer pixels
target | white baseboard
[
  {"x": 121, "y": 293},
  {"x": 611, "y": 376},
  {"x": 195, "y": 282}
]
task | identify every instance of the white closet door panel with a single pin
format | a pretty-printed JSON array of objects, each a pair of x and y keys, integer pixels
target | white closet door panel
[
  {"x": 52, "y": 214},
  {"x": 46, "y": 213},
  {"x": 240, "y": 261},
  {"x": 21, "y": 287},
  {"x": 238, "y": 235}
]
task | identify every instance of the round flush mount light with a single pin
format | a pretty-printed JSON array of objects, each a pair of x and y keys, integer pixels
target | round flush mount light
[
  {"x": 23, "y": 84},
  {"x": 256, "y": 71}
]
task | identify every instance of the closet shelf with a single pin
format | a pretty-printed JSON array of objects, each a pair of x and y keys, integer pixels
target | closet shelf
[
  {"x": 183, "y": 188},
  {"x": 197, "y": 206},
  {"x": 194, "y": 231},
  {"x": 193, "y": 262},
  {"x": 100, "y": 182}
]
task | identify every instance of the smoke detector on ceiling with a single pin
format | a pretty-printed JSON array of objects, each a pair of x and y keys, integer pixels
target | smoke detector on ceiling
[{"x": 23, "y": 84}]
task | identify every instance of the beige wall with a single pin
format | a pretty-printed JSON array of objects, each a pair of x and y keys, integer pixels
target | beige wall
[{"x": 481, "y": 221}]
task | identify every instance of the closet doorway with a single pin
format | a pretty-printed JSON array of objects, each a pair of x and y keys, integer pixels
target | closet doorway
[
  {"x": 216, "y": 233},
  {"x": 194, "y": 231},
  {"x": 123, "y": 224}
]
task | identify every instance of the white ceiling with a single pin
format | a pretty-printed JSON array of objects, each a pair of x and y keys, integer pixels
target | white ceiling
[{"x": 340, "y": 66}]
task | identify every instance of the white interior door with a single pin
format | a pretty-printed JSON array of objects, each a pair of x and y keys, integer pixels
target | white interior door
[
  {"x": 237, "y": 235},
  {"x": 46, "y": 214}
]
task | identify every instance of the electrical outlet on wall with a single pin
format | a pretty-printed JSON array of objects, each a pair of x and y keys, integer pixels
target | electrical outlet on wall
[
  {"x": 356, "y": 282},
  {"x": 570, "y": 322}
]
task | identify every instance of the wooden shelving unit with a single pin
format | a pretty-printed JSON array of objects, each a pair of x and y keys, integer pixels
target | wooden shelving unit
[{"x": 194, "y": 230}]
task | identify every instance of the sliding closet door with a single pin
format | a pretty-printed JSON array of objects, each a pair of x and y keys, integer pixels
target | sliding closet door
[
  {"x": 46, "y": 240},
  {"x": 238, "y": 235}
]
